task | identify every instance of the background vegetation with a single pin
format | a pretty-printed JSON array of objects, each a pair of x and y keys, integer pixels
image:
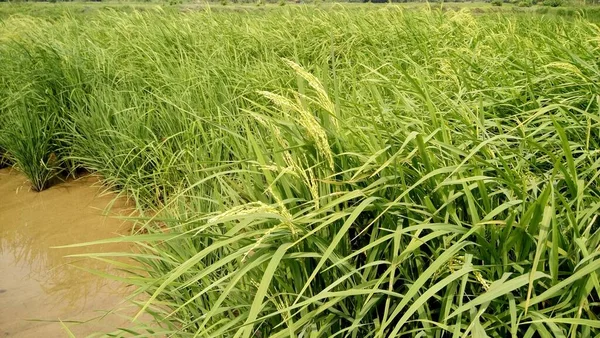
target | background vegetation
[{"x": 339, "y": 172}]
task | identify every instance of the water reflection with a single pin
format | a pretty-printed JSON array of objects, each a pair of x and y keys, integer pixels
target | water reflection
[{"x": 38, "y": 282}]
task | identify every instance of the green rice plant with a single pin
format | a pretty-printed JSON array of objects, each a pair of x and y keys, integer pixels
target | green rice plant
[
  {"x": 3, "y": 160},
  {"x": 28, "y": 142},
  {"x": 553, "y": 3},
  {"x": 348, "y": 171},
  {"x": 3, "y": 156},
  {"x": 32, "y": 114},
  {"x": 362, "y": 259}
]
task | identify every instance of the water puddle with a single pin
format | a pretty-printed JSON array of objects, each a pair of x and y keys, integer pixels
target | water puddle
[{"x": 39, "y": 283}]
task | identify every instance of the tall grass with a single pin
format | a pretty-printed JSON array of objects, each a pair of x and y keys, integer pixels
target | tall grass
[{"x": 340, "y": 173}]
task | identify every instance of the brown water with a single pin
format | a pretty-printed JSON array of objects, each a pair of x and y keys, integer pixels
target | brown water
[{"x": 38, "y": 283}]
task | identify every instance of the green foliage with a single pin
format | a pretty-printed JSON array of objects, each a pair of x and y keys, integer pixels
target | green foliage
[
  {"x": 496, "y": 2},
  {"x": 30, "y": 116},
  {"x": 316, "y": 173},
  {"x": 3, "y": 160},
  {"x": 27, "y": 138},
  {"x": 525, "y": 3},
  {"x": 553, "y": 3}
]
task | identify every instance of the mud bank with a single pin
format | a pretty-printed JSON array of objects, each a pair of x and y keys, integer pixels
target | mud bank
[{"x": 38, "y": 285}]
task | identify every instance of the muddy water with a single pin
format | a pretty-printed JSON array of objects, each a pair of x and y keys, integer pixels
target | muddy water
[{"x": 38, "y": 285}]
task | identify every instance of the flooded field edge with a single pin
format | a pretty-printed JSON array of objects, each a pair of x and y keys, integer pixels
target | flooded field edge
[{"x": 39, "y": 285}]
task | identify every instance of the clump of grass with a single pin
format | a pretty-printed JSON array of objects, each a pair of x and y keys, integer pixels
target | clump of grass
[
  {"x": 32, "y": 111},
  {"x": 553, "y": 3},
  {"x": 526, "y": 3},
  {"x": 28, "y": 142},
  {"x": 3, "y": 158},
  {"x": 366, "y": 172}
]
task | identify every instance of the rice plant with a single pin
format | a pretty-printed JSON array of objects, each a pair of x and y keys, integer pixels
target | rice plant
[
  {"x": 339, "y": 172},
  {"x": 27, "y": 142}
]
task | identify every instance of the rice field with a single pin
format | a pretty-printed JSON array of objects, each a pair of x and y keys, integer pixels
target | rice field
[{"x": 363, "y": 171}]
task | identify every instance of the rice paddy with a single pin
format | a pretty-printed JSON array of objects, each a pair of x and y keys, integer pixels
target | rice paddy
[{"x": 365, "y": 171}]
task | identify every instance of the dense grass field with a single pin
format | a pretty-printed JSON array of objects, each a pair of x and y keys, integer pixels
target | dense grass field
[{"x": 341, "y": 172}]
